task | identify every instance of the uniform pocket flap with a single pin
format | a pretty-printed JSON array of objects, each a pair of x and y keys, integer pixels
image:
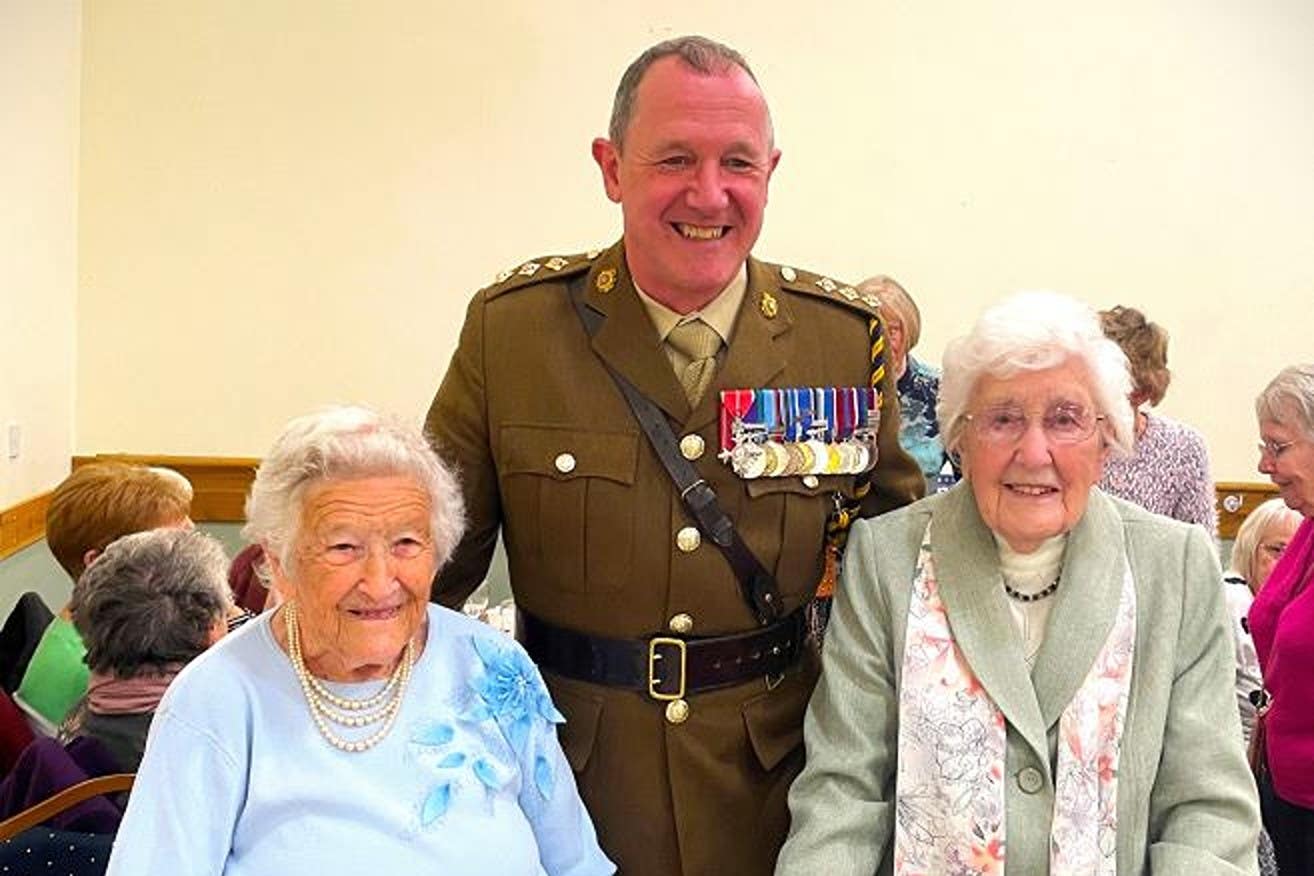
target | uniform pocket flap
[
  {"x": 569, "y": 453},
  {"x": 580, "y": 731},
  {"x": 799, "y": 485},
  {"x": 774, "y": 718}
]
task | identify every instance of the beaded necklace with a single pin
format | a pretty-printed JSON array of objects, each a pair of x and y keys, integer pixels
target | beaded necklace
[
  {"x": 325, "y": 706},
  {"x": 1031, "y": 597}
]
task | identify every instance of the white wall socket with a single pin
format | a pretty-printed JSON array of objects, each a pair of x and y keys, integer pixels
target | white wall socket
[{"x": 15, "y": 440}]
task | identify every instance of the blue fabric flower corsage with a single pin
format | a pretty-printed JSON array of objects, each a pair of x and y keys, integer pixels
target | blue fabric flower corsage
[
  {"x": 512, "y": 693},
  {"x": 509, "y": 691}
]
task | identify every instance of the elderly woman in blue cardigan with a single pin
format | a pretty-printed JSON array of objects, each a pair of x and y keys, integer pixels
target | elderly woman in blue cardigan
[
  {"x": 1022, "y": 674},
  {"x": 356, "y": 728}
]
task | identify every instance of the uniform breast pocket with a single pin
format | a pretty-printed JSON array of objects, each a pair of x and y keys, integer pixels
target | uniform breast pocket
[
  {"x": 788, "y": 529},
  {"x": 567, "y": 505}
]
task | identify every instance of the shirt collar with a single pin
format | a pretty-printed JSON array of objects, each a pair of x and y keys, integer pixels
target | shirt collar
[{"x": 720, "y": 313}]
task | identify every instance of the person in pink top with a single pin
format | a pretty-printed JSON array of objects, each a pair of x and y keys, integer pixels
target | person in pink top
[{"x": 1282, "y": 622}]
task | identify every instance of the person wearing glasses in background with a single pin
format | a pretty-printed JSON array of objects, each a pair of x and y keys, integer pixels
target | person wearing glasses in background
[
  {"x": 1260, "y": 542},
  {"x": 1282, "y": 625},
  {"x": 1023, "y": 669}
]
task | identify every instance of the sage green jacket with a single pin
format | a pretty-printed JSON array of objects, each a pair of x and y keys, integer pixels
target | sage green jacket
[{"x": 1186, "y": 800}]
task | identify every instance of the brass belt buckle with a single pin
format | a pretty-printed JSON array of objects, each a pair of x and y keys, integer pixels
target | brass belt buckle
[{"x": 653, "y": 656}]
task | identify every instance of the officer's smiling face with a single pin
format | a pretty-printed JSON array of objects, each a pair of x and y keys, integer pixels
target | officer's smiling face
[{"x": 691, "y": 178}]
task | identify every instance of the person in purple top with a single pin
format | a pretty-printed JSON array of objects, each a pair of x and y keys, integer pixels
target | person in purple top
[{"x": 1282, "y": 623}]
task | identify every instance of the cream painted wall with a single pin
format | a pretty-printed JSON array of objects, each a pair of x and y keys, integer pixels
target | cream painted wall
[
  {"x": 39, "y": 86},
  {"x": 289, "y": 203}
]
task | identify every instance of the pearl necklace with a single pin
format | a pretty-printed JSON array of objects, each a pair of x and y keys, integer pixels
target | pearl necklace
[
  {"x": 326, "y": 706},
  {"x": 1032, "y": 597}
]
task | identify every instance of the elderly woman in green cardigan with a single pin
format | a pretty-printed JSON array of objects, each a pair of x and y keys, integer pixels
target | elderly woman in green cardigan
[{"x": 1022, "y": 674}]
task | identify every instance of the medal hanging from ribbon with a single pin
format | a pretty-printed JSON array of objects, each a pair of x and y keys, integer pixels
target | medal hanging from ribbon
[{"x": 788, "y": 432}]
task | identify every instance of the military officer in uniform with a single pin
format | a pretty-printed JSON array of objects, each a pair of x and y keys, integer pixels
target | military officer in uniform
[{"x": 683, "y": 698}]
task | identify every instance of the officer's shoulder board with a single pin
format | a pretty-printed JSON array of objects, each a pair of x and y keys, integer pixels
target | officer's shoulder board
[
  {"x": 826, "y": 288},
  {"x": 541, "y": 270}
]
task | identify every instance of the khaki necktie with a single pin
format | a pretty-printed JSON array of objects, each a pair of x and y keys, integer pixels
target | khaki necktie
[{"x": 700, "y": 343}]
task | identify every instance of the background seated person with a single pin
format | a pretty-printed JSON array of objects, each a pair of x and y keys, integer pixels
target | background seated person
[
  {"x": 144, "y": 608},
  {"x": 356, "y": 728},
  {"x": 1260, "y": 541},
  {"x": 92, "y": 507}
]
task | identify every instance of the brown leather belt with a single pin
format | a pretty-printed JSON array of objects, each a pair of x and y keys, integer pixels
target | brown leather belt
[{"x": 664, "y": 667}]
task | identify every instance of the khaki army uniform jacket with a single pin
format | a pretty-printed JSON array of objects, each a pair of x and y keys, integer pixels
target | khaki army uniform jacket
[{"x": 548, "y": 450}]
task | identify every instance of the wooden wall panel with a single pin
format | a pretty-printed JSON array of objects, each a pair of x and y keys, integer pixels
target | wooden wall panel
[
  {"x": 221, "y": 485},
  {"x": 1236, "y": 500},
  {"x": 23, "y": 524}
]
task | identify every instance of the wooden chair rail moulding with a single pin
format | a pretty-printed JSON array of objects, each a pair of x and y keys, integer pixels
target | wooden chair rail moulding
[
  {"x": 220, "y": 482},
  {"x": 23, "y": 524},
  {"x": 1236, "y": 500}
]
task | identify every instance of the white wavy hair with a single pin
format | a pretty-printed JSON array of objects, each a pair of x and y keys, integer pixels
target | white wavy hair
[
  {"x": 1246, "y": 546},
  {"x": 346, "y": 443},
  {"x": 1034, "y": 331}
]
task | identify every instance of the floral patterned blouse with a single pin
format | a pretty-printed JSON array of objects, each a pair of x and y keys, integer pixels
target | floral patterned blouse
[{"x": 919, "y": 431}]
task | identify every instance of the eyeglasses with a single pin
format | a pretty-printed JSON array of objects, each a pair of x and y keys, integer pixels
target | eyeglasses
[
  {"x": 1274, "y": 449},
  {"x": 238, "y": 619},
  {"x": 1062, "y": 422}
]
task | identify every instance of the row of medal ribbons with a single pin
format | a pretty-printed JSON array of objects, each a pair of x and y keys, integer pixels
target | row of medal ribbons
[{"x": 790, "y": 431}]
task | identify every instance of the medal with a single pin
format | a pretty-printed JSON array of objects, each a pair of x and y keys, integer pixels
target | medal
[
  {"x": 777, "y": 458},
  {"x": 748, "y": 460},
  {"x": 735, "y": 405},
  {"x": 819, "y": 454},
  {"x": 799, "y": 431}
]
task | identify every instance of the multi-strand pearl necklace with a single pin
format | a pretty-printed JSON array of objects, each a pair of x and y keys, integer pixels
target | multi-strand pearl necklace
[{"x": 325, "y": 706}]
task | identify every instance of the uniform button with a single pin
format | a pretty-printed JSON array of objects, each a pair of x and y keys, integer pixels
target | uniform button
[
  {"x": 692, "y": 447},
  {"x": 1030, "y": 780},
  {"x": 677, "y": 711},
  {"x": 688, "y": 539},
  {"x": 789, "y": 274},
  {"x": 682, "y": 624},
  {"x": 565, "y": 463},
  {"x": 810, "y": 481}
]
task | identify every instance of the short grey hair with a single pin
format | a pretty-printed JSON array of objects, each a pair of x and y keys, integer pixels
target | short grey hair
[
  {"x": 1291, "y": 392},
  {"x": 700, "y": 53},
  {"x": 347, "y": 443},
  {"x": 151, "y": 601},
  {"x": 1034, "y": 331},
  {"x": 1252, "y": 529}
]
